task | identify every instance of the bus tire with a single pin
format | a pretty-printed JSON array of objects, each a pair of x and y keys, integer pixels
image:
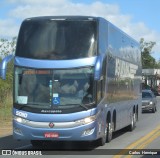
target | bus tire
[
  {"x": 102, "y": 140},
  {"x": 132, "y": 126},
  {"x": 109, "y": 132},
  {"x": 154, "y": 109}
]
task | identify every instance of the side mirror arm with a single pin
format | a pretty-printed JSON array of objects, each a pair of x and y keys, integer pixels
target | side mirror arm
[{"x": 3, "y": 66}]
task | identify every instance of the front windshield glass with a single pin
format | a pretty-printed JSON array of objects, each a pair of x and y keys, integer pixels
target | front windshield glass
[
  {"x": 146, "y": 95},
  {"x": 54, "y": 89},
  {"x": 57, "y": 39}
]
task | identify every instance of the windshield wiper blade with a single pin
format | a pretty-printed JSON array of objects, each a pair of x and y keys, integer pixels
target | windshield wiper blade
[
  {"x": 85, "y": 107},
  {"x": 24, "y": 106},
  {"x": 81, "y": 105}
]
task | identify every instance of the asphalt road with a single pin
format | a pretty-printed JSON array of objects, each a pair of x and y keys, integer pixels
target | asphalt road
[{"x": 146, "y": 137}]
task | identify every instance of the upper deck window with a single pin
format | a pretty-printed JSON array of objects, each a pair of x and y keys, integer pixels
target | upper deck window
[{"x": 57, "y": 39}]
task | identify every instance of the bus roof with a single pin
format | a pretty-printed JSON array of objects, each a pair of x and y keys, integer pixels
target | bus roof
[{"x": 63, "y": 18}]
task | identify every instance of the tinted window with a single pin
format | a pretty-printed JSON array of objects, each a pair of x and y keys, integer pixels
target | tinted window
[
  {"x": 146, "y": 95},
  {"x": 57, "y": 39}
]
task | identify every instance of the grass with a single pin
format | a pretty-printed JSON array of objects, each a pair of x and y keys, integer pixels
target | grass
[
  {"x": 6, "y": 109},
  {"x": 6, "y": 116}
]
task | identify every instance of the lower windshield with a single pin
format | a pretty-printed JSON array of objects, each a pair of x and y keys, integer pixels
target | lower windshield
[
  {"x": 54, "y": 89},
  {"x": 146, "y": 95}
]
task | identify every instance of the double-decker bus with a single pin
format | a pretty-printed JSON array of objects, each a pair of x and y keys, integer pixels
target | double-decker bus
[{"x": 76, "y": 78}]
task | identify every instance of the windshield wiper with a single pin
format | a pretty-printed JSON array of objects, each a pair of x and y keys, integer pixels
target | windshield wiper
[
  {"x": 24, "y": 106},
  {"x": 29, "y": 105},
  {"x": 81, "y": 105},
  {"x": 85, "y": 107}
]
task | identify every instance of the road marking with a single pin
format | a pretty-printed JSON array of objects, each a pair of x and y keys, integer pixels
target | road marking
[
  {"x": 157, "y": 134},
  {"x": 141, "y": 143},
  {"x": 142, "y": 146}
]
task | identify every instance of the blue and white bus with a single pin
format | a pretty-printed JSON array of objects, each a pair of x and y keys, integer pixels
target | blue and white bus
[{"x": 76, "y": 78}]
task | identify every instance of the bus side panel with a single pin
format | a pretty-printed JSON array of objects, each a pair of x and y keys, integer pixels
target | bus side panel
[{"x": 123, "y": 75}]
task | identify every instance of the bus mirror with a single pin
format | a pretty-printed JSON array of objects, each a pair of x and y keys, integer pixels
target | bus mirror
[{"x": 3, "y": 66}]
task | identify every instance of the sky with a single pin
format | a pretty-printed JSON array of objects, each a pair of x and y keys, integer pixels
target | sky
[{"x": 138, "y": 18}]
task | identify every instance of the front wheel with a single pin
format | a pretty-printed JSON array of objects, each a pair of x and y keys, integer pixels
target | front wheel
[
  {"x": 102, "y": 140},
  {"x": 109, "y": 132},
  {"x": 132, "y": 126},
  {"x": 107, "y": 137},
  {"x": 154, "y": 109}
]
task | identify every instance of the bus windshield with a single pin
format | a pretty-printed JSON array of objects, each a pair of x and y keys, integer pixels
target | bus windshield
[
  {"x": 57, "y": 39},
  {"x": 54, "y": 89}
]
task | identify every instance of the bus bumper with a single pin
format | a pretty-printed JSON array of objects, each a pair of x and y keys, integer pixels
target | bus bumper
[{"x": 86, "y": 132}]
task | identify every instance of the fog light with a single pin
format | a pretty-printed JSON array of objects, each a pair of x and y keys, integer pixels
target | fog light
[
  {"x": 17, "y": 131},
  {"x": 88, "y": 132}
]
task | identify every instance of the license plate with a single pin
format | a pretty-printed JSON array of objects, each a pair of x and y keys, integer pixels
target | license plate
[{"x": 51, "y": 135}]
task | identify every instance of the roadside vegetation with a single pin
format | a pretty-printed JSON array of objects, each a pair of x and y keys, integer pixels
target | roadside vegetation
[
  {"x": 6, "y": 87},
  {"x": 148, "y": 62}
]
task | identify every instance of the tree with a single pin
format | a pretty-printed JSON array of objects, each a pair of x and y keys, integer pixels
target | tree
[
  {"x": 158, "y": 64},
  {"x": 7, "y": 46},
  {"x": 148, "y": 62}
]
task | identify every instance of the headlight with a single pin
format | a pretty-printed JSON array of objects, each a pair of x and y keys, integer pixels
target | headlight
[
  {"x": 20, "y": 119},
  {"x": 150, "y": 102},
  {"x": 87, "y": 120}
]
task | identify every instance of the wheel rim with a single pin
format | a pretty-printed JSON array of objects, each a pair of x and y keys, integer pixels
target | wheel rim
[
  {"x": 133, "y": 119},
  {"x": 105, "y": 131},
  {"x": 110, "y": 130},
  {"x": 103, "y": 139}
]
